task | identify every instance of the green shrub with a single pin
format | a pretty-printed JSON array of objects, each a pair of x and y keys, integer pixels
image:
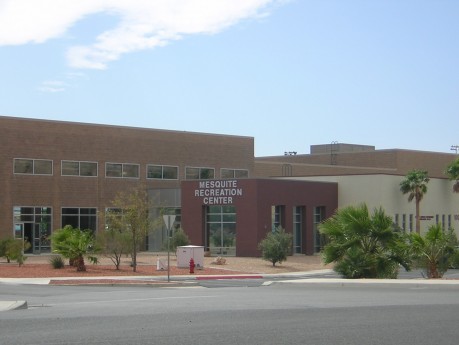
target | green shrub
[
  {"x": 276, "y": 246},
  {"x": 364, "y": 245},
  {"x": 178, "y": 239},
  {"x": 74, "y": 244},
  {"x": 13, "y": 249},
  {"x": 57, "y": 262},
  {"x": 436, "y": 251}
]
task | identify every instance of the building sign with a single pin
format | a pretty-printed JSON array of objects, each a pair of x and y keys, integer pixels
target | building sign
[
  {"x": 426, "y": 217},
  {"x": 218, "y": 192}
]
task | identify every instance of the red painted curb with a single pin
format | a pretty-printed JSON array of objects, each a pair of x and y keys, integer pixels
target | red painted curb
[{"x": 228, "y": 277}]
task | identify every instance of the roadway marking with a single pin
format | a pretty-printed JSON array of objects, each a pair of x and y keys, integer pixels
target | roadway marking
[{"x": 131, "y": 300}]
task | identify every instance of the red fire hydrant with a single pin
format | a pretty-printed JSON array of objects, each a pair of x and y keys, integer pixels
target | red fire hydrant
[{"x": 192, "y": 265}]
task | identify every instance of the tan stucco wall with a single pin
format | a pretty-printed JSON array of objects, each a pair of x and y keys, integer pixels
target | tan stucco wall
[{"x": 384, "y": 190}]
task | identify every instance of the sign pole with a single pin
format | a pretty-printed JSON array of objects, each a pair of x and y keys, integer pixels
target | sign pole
[{"x": 169, "y": 220}]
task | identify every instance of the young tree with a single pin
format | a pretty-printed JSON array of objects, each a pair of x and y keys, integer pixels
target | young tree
[
  {"x": 74, "y": 244},
  {"x": 435, "y": 251},
  {"x": 179, "y": 238},
  {"x": 415, "y": 185},
  {"x": 452, "y": 171},
  {"x": 114, "y": 242},
  {"x": 276, "y": 246},
  {"x": 363, "y": 245},
  {"x": 13, "y": 249},
  {"x": 134, "y": 207}
]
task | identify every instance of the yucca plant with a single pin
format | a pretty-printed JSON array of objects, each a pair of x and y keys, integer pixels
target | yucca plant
[{"x": 57, "y": 262}]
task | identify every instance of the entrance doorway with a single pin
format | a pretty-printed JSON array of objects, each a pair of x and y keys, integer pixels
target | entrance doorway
[{"x": 33, "y": 224}]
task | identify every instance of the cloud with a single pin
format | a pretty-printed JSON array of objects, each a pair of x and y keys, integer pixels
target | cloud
[
  {"x": 52, "y": 86},
  {"x": 142, "y": 24}
]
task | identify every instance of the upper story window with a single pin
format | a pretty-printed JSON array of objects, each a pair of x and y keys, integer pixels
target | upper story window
[
  {"x": 76, "y": 168},
  {"x": 33, "y": 166},
  {"x": 162, "y": 172},
  {"x": 122, "y": 170},
  {"x": 234, "y": 173},
  {"x": 199, "y": 173}
]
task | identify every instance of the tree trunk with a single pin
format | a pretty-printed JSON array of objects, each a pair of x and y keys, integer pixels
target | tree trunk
[
  {"x": 134, "y": 256},
  {"x": 418, "y": 217},
  {"x": 79, "y": 262}
]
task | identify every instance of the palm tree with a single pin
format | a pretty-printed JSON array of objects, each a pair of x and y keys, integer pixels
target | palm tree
[
  {"x": 415, "y": 185},
  {"x": 435, "y": 251},
  {"x": 452, "y": 171},
  {"x": 363, "y": 245}
]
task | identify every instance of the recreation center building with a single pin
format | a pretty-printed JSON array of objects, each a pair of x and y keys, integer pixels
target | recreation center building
[{"x": 55, "y": 173}]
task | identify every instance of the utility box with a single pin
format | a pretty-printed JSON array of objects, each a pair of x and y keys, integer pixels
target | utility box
[{"x": 185, "y": 253}]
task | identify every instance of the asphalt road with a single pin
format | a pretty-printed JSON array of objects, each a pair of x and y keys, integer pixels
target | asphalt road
[{"x": 237, "y": 312}]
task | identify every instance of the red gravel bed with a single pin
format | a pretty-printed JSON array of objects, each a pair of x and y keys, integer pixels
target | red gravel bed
[{"x": 47, "y": 271}]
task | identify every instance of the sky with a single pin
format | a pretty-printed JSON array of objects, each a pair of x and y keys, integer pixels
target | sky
[{"x": 289, "y": 73}]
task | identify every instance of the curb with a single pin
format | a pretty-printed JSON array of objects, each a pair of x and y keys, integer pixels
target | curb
[{"x": 12, "y": 305}]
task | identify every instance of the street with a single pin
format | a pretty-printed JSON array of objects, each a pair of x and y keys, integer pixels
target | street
[{"x": 236, "y": 312}]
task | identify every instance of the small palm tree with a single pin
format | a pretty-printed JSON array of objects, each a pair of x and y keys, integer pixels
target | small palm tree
[
  {"x": 452, "y": 171},
  {"x": 363, "y": 245},
  {"x": 435, "y": 251},
  {"x": 74, "y": 244},
  {"x": 415, "y": 185}
]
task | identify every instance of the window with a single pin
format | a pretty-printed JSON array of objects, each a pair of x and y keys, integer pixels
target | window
[
  {"x": 319, "y": 216},
  {"x": 75, "y": 168},
  {"x": 33, "y": 166},
  {"x": 199, "y": 173},
  {"x": 277, "y": 217},
  {"x": 411, "y": 222},
  {"x": 234, "y": 173},
  {"x": 221, "y": 230},
  {"x": 404, "y": 222},
  {"x": 81, "y": 218},
  {"x": 443, "y": 221},
  {"x": 122, "y": 170},
  {"x": 162, "y": 172},
  {"x": 298, "y": 212}
]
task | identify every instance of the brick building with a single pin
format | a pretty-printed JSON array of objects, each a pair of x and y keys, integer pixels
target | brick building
[{"x": 54, "y": 173}]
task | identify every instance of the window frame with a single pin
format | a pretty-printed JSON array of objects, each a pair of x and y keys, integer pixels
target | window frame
[
  {"x": 200, "y": 172},
  {"x": 123, "y": 170},
  {"x": 233, "y": 173},
  {"x": 34, "y": 166},
  {"x": 163, "y": 167},
  {"x": 79, "y": 168}
]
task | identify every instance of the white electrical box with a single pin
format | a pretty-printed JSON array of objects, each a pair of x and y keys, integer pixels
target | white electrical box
[{"x": 185, "y": 253}]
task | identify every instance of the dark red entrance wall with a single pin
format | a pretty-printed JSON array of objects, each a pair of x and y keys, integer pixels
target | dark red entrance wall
[{"x": 253, "y": 199}]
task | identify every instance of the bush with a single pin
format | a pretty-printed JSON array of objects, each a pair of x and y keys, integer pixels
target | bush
[
  {"x": 57, "y": 262},
  {"x": 436, "y": 251},
  {"x": 276, "y": 246},
  {"x": 13, "y": 249},
  {"x": 178, "y": 239},
  {"x": 364, "y": 245},
  {"x": 74, "y": 244}
]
